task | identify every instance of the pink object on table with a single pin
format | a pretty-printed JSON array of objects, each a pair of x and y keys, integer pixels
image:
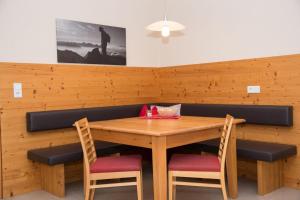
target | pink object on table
[
  {"x": 144, "y": 110},
  {"x": 154, "y": 111},
  {"x": 191, "y": 162},
  {"x": 117, "y": 164}
]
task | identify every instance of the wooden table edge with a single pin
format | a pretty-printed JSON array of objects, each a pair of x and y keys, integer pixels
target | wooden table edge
[{"x": 162, "y": 133}]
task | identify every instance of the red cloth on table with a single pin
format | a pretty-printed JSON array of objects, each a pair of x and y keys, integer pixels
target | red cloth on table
[{"x": 143, "y": 112}]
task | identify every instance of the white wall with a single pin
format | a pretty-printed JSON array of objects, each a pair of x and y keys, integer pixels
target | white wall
[
  {"x": 219, "y": 30},
  {"x": 28, "y": 32}
]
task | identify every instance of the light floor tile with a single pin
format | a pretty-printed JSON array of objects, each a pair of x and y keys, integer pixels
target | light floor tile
[{"x": 247, "y": 191}]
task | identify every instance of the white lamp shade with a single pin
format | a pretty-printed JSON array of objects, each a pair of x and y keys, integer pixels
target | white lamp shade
[{"x": 158, "y": 26}]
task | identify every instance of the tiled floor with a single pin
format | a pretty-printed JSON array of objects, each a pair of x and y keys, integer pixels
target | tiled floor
[{"x": 247, "y": 191}]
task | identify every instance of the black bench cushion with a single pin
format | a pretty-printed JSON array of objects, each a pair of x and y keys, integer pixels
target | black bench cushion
[
  {"x": 68, "y": 153},
  {"x": 253, "y": 114},
  {"x": 254, "y": 150},
  {"x": 58, "y": 119}
]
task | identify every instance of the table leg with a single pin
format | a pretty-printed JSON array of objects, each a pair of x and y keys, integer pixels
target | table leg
[
  {"x": 231, "y": 165},
  {"x": 159, "y": 157}
]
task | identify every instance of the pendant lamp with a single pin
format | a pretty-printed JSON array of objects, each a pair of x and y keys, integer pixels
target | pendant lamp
[{"x": 165, "y": 26}]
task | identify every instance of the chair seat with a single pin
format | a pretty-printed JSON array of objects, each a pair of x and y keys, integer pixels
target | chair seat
[
  {"x": 191, "y": 162},
  {"x": 117, "y": 164}
]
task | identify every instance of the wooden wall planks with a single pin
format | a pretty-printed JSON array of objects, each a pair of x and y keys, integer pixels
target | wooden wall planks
[
  {"x": 1, "y": 185},
  {"x": 226, "y": 82},
  {"x": 50, "y": 87}
]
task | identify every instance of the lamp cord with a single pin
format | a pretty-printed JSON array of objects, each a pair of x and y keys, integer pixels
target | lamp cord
[{"x": 165, "y": 10}]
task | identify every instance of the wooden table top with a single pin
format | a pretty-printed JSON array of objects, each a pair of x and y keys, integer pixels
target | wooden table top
[{"x": 160, "y": 127}]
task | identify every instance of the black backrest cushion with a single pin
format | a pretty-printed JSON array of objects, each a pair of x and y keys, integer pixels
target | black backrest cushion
[
  {"x": 57, "y": 119},
  {"x": 253, "y": 114}
]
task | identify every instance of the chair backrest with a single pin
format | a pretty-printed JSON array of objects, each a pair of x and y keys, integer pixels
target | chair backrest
[
  {"x": 224, "y": 140},
  {"x": 87, "y": 143}
]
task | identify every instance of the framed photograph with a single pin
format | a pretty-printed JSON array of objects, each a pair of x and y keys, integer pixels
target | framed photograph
[{"x": 79, "y": 42}]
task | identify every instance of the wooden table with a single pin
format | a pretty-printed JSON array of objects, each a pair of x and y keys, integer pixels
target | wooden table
[{"x": 159, "y": 135}]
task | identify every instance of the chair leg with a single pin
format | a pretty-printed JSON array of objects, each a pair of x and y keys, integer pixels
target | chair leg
[
  {"x": 87, "y": 191},
  {"x": 172, "y": 187},
  {"x": 84, "y": 177},
  {"x": 139, "y": 186},
  {"x": 142, "y": 185},
  {"x": 92, "y": 191},
  {"x": 223, "y": 187}
]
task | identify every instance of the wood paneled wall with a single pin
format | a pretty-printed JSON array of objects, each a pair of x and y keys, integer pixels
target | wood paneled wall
[
  {"x": 50, "y": 87},
  {"x": 226, "y": 82}
]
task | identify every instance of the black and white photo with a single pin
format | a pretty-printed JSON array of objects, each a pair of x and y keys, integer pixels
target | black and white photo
[{"x": 80, "y": 42}]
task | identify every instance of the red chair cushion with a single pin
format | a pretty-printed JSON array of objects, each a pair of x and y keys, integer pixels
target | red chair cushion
[
  {"x": 190, "y": 162},
  {"x": 117, "y": 164}
]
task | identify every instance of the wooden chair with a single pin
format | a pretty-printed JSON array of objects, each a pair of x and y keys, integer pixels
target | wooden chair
[
  {"x": 106, "y": 168},
  {"x": 201, "y": 166}
]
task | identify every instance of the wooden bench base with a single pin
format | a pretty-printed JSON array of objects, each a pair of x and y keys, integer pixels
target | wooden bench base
[
  {"x": 269, "y": 175},
  {"x": 54, "y": 178}
]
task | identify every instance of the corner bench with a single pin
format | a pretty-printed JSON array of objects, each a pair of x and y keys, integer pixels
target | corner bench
[
  {"x": 53, "y": 161},
  {"x": 253, "y": 114},
  {"x": 269, "y": 157}
]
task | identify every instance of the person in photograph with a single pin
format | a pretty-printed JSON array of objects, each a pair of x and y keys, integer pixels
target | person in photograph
[{"x": 105, "y": 38}]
